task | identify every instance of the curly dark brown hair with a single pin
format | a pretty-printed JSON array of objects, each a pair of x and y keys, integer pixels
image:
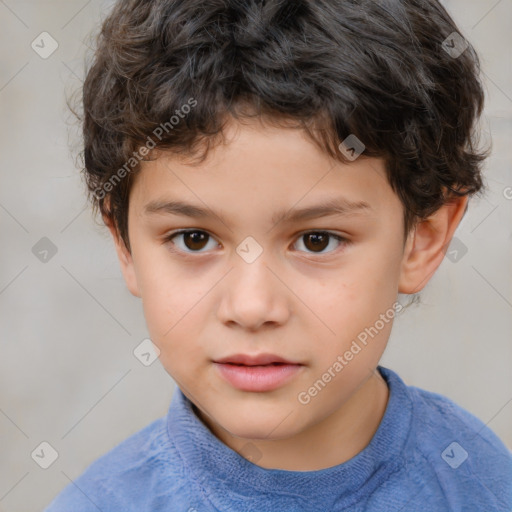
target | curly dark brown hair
[{"x": 166, "y": 74}]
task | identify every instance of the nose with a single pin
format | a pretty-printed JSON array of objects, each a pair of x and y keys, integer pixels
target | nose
[{"x": 252, "y": 296}]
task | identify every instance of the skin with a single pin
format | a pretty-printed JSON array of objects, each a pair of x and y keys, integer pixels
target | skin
[{"x": 202, "y": 301}]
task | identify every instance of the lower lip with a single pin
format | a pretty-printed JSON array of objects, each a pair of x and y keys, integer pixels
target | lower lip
[{"x": 257, "y": 378}]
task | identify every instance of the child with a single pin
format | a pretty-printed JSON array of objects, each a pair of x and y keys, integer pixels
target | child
[{"x": 274, "y": 173}]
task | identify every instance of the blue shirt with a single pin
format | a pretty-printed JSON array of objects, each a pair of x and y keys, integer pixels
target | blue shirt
[{"x": 428, "y": 454}]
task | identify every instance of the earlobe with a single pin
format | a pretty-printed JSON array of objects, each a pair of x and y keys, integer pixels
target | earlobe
[
  {"x": 427, "y": 244},
  {"x": 126, "y": 262}
]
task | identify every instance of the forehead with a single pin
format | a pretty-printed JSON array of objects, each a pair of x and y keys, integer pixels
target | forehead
[{"x": 264, "y": 169}]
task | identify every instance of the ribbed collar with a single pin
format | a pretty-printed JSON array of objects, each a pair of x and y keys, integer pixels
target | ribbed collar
[{"x": 233, "y": 483}]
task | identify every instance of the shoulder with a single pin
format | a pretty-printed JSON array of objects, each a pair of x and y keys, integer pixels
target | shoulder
[
  {"x": 118, "y": 479},
  {"x": 442, "y": 417},
  {"x": 466, "y": 457}
]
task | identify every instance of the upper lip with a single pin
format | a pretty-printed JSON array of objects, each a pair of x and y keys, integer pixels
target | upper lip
[{"x": 257, "y": 360}]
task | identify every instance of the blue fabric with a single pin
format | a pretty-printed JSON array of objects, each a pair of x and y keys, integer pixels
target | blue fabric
[{"x": 416, "y": 461}]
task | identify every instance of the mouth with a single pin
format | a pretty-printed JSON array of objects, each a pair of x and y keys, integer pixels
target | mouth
[
  {"x": 261, "y": 373},
  {"x": 256, "y": 365},
  {"x": 256, "y": 360}
]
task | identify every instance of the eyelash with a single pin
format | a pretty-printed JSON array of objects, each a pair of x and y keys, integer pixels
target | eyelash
[{"x": 343, "y": 241}]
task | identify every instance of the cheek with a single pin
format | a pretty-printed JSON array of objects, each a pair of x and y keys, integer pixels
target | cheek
[
  {"x": 174, "y": 309},
  {"x": 171, "y": 301},
  {"x": 167, "y": 292},
  {"x": 169, "y": 310},
  {"x": 351, "y": 304},
  {"x": 173, "y": 327}
]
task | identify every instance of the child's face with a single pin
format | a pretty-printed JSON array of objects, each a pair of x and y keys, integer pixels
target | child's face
[{"x": 304, "y": 298}]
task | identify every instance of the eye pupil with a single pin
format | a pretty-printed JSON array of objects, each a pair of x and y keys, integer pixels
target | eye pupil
[
  {"x": 319, "y": 240},
  {"x": 194, "y": 237}
]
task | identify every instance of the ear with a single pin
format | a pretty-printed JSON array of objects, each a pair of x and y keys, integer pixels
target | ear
[
  {"x": 125, "y": 260},
  {"x": 427, "y": 245}
]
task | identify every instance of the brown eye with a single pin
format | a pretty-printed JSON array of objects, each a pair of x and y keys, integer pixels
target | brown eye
[
  {"x": 317, "y": 241},
  {"x": 194, "y": 240},
  {"x": 191, "y": 241}
]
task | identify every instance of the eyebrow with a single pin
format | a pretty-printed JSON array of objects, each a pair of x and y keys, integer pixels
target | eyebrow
[{"x": 335, "y": 206}]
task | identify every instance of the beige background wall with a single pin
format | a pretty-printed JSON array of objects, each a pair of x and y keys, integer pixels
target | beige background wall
[{"x": 68, "y": 326}]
